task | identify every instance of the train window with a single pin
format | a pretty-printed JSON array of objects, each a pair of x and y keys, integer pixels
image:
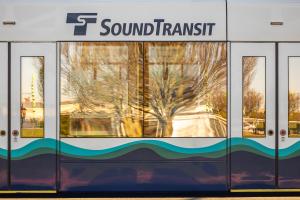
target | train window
[
  {"x": 254, "y": 100},
  {"x": 294, "y": 97},
  {"x": 185, "y": 89},
  {"x": 100, "y": 89},
  {"x": 144, "y": 89},
  {"x": 32, "y": 97}
]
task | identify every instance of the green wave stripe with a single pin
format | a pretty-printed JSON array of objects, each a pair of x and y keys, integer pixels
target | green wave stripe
[
  {"x": 290, "y": 152},
  {"x": 248, "y": 145},
  {"x": 163, "y": 149}
]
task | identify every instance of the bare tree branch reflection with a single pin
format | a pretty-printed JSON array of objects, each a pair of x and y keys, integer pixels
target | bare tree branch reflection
[
  {"x": 253, "y": 98},
  {"x": 249, "y": 64},
  {"x": 97, "y": 75},
  {"x": 180, "y": 76},
  {"x": 294, "y": 102},
  {"x": 110, "y": 81}
]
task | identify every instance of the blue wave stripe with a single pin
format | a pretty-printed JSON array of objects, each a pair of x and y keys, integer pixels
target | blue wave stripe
[
  {"x": 70, "y": 149},
  {"x": 253, "y": 144},
  {"x": 236, "y": 145},
  {"x": 37, "y": 144},
  {"x": 289, "y": 150}
]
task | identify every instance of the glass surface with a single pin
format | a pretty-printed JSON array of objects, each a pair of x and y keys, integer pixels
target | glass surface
[
  {"x": 294, "y": 97},
  {"x": 254, "y": 100},
  {"x": 185, "y": 89},
  {"x": 164, "y": 89},
  {"x": 32, "y": 97},
  {"x": 100, "y": 89}
]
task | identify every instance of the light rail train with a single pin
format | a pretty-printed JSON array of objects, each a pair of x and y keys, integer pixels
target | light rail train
[{"x": 148, "y": 96}]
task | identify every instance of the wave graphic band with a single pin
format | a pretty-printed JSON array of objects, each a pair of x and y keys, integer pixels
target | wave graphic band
[{"x": 163, "y": 149}]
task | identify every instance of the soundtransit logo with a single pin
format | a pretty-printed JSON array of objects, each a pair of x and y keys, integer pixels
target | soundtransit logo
[
  {"x": 157, "y": 27},
  {"x": 81, "y": 20}
]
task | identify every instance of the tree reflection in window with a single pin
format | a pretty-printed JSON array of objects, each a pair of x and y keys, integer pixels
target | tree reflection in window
[
  {"x": 32, "y": 97},
  {"x": 254, "y": 78},
  {"x": 98, "y": 80},
  {"x": 294, "y": 97},
  {"x": 119, "y": 89},
  {"x": 185, "y": 89}
]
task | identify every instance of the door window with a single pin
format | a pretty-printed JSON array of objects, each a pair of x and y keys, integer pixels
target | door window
[
  {"x": 254, "y": 100},
  {"x": 294, "y": 97},
  {"x": 32, "y": 97}
]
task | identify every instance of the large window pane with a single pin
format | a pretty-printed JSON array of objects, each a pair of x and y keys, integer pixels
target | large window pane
[
  {"x": 100, "y": 85},
  {"x": 294, "y": 97},
  {"x": 185, "y": 89},
  {"x": 32, "y": 97},
  {"x": 120, "y": 89},
  {"x": 254, "y": 99}
]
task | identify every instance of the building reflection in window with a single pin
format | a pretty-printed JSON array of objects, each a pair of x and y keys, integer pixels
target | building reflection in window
[
  {"x": 254, "y": 86},
  {"x": 294, "y": 97},
  {"x": 120, "y": 89},
  {"x": 32, "y": 97}
]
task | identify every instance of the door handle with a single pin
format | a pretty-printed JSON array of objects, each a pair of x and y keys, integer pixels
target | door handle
[
  {"x": 270, "y": 132},
  {"x": 15, "y": 133},
  {"x": 2, "y": 132}
]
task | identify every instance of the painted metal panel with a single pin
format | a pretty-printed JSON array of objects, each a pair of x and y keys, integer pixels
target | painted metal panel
[
  {"x": 144, "y": 177},
  {"x": 251, "y": 20},
  {"x": 3, "y": 114},
  {"x": 289, "y": 158},
  {"x": 33, "y": 160},
  {"x": 252, "y": 159},
  {"x": 47, "y": 20}
]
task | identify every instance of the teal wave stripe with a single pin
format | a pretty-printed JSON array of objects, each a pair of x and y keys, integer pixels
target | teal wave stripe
[
  {"x": 245, "y": 144},
  {"x": 163, "y": 149},
  {"x": 40, "y": 144},
  {"x": 290, "y": 152},
  {"x": 3, "y": 153}
]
